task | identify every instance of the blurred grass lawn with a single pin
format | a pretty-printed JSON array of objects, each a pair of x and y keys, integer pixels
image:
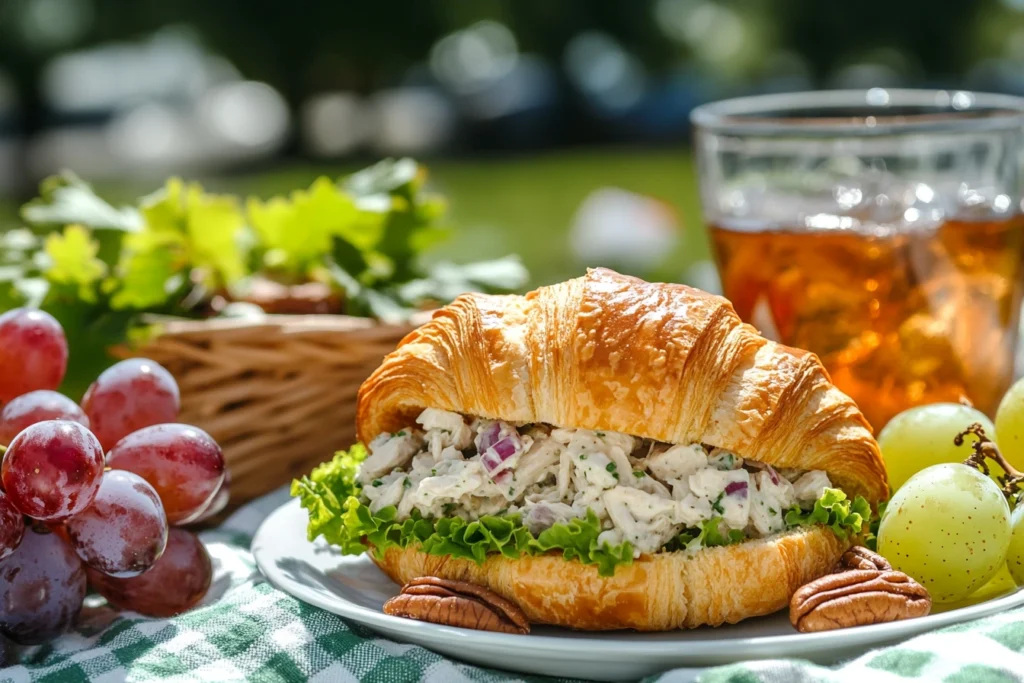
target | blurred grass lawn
[{"x": 521, "y": 204}]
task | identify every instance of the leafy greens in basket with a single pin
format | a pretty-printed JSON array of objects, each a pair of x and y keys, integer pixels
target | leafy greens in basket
[{"x": 357, "y": 245}]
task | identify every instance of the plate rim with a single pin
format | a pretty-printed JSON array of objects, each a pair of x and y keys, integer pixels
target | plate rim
[{"x": 856, "y": 637}]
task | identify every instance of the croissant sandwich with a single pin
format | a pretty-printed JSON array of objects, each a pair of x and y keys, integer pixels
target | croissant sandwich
[{"x": 607, "y": 453}]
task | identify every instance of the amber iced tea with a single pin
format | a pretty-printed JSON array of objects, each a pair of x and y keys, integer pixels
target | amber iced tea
[{"x": 899, "y": 317}]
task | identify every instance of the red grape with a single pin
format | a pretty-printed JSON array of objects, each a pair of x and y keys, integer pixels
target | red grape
[
  {"x": 128, "y": 396},
  {"x": 124, "y": 531},
  {"x": 12, "y": 526},
  {"x": 183, "y": 463},
  {"x": 42, "y": 586},
  {"x": 33, "y": 352},
  {"x": 178, "y": 580},
  {"x": 218, "y": 502},
  {"x": 37, "y": 406},
  {"x": 52, "y": 469}
]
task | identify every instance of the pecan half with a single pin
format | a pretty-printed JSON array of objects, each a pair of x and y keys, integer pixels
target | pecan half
[
  {"x": 857, "y": 598},
  {"x": 859, "y": 557},
  {"x": 457, "y": 603}
]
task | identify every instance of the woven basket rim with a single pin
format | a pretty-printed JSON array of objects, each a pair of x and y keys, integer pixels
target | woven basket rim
[{"x": 292, "y": 323}]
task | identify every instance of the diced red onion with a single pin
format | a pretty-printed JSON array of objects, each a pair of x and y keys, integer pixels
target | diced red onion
[
  {"x": 503, "y": 477},
  {"x": 496, "y": 457},
  {"x": 736, "y": 488},
  {"x": 506, "y": 448},
  {"x": 773, "y": 474},
  {"x": 488, "y": 437}
]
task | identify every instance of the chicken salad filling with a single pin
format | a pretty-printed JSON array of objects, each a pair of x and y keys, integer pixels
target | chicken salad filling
[{"x": 647, "y": 494}]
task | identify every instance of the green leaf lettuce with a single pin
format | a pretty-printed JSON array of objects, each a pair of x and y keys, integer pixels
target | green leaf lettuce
[
  {"x": 330, "y": 494},
  {"x": 844, "y": 516}
]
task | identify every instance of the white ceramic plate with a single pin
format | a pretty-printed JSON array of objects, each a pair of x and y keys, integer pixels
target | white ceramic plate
[{"x": 354, "y": 588}]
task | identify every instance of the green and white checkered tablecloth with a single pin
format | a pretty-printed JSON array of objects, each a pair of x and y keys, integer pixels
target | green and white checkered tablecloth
[{"x": 248, "y": 631}]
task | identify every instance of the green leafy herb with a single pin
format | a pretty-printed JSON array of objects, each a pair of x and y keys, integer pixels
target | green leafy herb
[
  {"x": 66, "y": 199},
  {"x": 180, "y": 251},
  {"x": 717, "y": 505},
  {"x": 833, "y": 509},
  {"x": 577, "y": 539},
  {"x": 871, "y": 538},
  {"x": 295, "y": 233},
  {"x": 610, "y": 467},
  {"x": 709, "y": 535},
  {"x": 638, "y": 474},
  {"x": 73, "y": 261},
  {"x": 326, "y": 494}
]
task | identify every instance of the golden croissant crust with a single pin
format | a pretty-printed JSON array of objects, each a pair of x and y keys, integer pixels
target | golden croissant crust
[
  {"x": 655, "y": 593},
  {"x": 612, "y": 352}
]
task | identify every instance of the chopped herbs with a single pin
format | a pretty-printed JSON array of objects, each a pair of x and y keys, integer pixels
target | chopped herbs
[
  {"x": 401, "y": 433},
  {"x": 407, "y": 483},
  {"x": 583, "y": 456},
  {"x": 638, "y": 474},
  {"x": 610, "y": 467},
  {"x": 773, "y": 511},
  {"x": 433, "y": 472},
  {"x": 717, "y": 505}
]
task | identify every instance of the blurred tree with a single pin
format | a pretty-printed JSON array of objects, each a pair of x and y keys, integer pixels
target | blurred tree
[
  {"x": 831, "y": 34},
  {"x": 302, "y": 47}
]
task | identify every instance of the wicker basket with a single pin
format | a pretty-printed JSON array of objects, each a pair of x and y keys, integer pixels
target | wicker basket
[{"x": 278, "y": 394}]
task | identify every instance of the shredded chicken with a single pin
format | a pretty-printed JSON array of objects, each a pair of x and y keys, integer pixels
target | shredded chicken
[{"x": 642, "y": 492}]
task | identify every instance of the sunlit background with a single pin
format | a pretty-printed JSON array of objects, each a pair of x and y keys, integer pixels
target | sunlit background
[{"x": 549, "y": 125}]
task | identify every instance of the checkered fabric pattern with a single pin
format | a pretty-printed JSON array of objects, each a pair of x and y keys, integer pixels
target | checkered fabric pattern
[{"x": 248, "y": 631}]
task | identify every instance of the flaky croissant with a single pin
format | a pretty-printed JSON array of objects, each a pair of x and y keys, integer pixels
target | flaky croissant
[
  {"x": 660, "y": 361},
  {"x": 606, "y": 351}
]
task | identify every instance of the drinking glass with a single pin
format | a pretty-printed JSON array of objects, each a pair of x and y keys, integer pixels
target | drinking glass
[{"x": 880, "y": 229}]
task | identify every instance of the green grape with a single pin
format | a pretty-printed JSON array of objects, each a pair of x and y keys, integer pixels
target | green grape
[
  {"x": 949, "y": 528},
  {"x": 923, "y": 436},
  {"x": 1015, "y": 555},
  {"x": 1010, "y": 427}
]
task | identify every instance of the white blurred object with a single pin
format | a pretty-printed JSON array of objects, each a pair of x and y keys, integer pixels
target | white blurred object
[
  {"x": 469, "y": 60},
  {"x": 230, "y": 123},
  {"x": 704, "y": 275},
  {"x": 616, "y": 227},
  {"x": 411, "y": 120},
  {"x": 613, "y": 78},
  {"x": 246, "y": 114},
  {"x": 170, "y": 65},
  {"x": 334, "y": 123},
  {"x": 161, "y": 105}
]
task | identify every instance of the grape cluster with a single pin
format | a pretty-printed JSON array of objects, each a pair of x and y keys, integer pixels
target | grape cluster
[
  {"x": 90, "y": 494},
  {"x": 950, "y": 524}
]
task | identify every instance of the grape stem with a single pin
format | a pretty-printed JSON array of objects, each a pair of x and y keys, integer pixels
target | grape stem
[{"x": 984, "y": 448}]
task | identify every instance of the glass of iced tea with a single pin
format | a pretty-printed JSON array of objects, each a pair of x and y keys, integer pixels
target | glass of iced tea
[{"x": 882, "y": 230}]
